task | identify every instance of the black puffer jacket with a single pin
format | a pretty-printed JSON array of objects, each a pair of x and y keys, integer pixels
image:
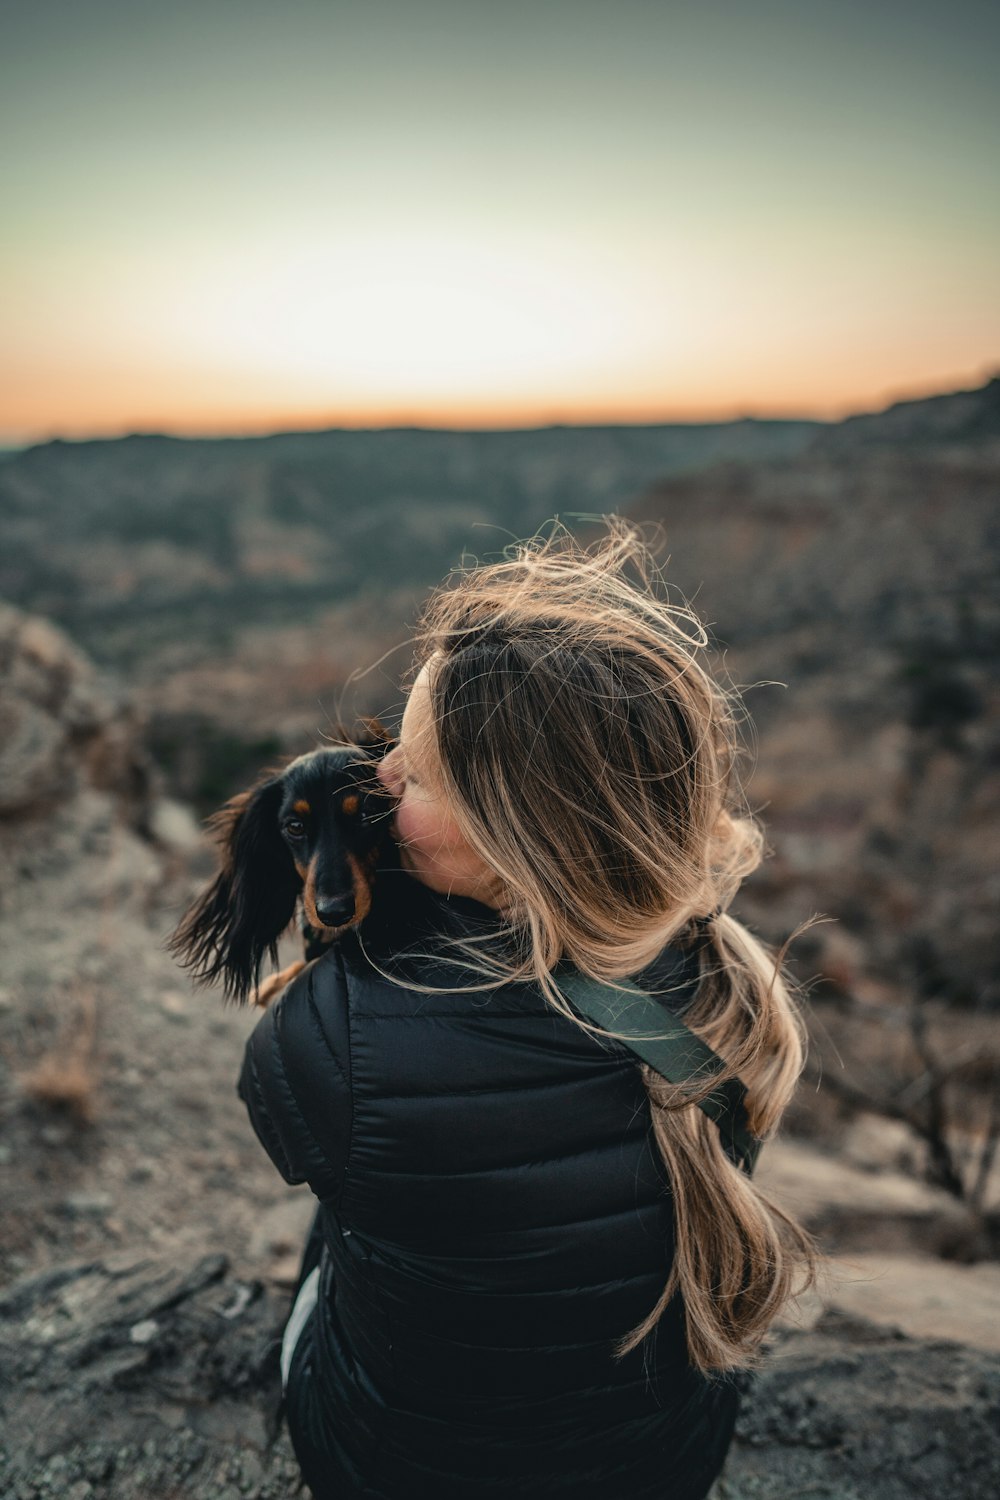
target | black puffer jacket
[{"x": 494, "y": 1215}]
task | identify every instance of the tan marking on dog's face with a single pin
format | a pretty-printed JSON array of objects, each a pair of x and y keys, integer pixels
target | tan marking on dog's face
[
  {"x": 362, "y": 890},
  {"x": 309, "y": 897},
  {"x": 350, "y": 804},
  {"x": 302, "y": 871},
  {"x": 302, "y": 808}
]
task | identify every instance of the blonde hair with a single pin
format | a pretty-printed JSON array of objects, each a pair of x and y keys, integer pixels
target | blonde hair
[{"x": 588, "y": 757}]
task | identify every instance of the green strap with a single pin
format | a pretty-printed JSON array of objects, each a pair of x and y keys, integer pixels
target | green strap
[{"x": 673, "y": 1051}]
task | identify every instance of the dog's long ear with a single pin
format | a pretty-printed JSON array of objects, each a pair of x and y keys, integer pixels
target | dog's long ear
[{"x": 241, "y": 915}]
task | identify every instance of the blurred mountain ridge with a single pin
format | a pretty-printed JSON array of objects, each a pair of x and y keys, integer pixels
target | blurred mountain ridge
[
  {"x": 133, "y": 542},
  {"x": 960, "y": 417},
  {"x": 241, "y": 585}
]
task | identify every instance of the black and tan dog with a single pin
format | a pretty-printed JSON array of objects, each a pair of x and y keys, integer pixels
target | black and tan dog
[{"x": 312, "y": 830}]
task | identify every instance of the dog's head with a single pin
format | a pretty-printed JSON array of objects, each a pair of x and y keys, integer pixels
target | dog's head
[
  {"x": 314, "y": 827},
  {"x": 332, "y": 818}
]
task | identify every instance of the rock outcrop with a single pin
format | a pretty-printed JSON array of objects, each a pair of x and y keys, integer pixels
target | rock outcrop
[
  {"x": 132, "y": 1378},
  {"x": 72, "y": 766},
  {"x": 76, "y": 779},
  {"x": 63, "y": 728}
]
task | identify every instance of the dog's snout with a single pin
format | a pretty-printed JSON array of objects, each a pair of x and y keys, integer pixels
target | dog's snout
[{"x": 335, "y": 910}]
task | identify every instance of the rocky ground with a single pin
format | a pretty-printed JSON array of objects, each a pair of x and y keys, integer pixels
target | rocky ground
[
  {"x": 132, "y": 1376},
  {"x": 148, "y": 1247}
]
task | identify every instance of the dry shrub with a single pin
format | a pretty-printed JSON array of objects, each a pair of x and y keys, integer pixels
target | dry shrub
[
  {"x": 68, "y": 1084},
  {"x": 65, "y": 1078}
]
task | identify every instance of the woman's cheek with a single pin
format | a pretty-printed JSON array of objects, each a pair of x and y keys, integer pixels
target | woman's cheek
[
  {"x": 419, "y": 823},
  {"x": 409, "y": 825}
]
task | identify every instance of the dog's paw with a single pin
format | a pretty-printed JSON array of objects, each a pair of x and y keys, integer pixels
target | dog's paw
[{"x": 273, "y": 986}]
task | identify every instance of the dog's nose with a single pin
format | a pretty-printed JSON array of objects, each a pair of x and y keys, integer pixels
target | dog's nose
[{"x": 335, "y": 911}]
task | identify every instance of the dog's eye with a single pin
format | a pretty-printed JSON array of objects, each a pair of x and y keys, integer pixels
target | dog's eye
[{"x": 294, "y": 827}]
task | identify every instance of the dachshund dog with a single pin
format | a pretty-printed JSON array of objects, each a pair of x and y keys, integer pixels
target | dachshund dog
[{"x": 313, "y": 830}]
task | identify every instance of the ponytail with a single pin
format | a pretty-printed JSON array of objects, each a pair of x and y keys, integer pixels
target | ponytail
[{"x": 738, "y": 1256}]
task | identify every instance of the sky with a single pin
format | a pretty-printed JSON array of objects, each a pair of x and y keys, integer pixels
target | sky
[{"x": 231, "y": 216}]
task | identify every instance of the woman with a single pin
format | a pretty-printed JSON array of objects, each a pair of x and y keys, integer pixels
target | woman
[{"x": 534, "y": 1269}]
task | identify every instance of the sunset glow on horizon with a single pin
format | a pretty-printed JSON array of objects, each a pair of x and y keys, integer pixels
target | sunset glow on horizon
[{"x": 236, "y": 218}]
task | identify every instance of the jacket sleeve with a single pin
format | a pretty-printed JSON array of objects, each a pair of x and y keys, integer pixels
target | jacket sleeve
[{"x": 296, "y": 1079}]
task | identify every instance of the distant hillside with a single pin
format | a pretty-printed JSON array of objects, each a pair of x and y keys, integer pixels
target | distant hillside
[
  {"x": 876, "y": 540},
  {"x": 147, "y": 542},
  {"x": 961, "y": 417}
]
